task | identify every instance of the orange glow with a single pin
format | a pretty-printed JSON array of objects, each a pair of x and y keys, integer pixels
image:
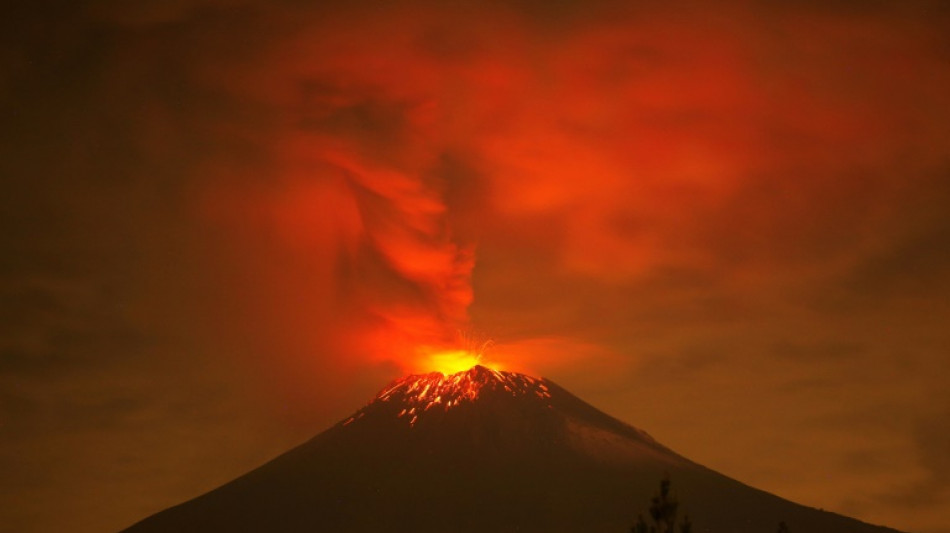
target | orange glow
[{"x": 453, "y": 361}]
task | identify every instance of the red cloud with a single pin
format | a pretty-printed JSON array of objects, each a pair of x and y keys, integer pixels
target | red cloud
[{"x": 752, "y": 149}]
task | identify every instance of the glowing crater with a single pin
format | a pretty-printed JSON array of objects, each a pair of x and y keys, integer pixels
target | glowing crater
[
  {"x": 416, "y": 394},
  {"x": 453, "y": 361}
]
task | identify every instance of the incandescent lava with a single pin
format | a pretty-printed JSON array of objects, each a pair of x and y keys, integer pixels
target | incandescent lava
[{"x": 418, "y": 393}]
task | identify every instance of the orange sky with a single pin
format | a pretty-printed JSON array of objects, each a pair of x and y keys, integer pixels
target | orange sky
[{"x": 232, "y": 221}]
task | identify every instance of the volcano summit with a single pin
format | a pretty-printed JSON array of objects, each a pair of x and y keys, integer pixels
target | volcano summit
[{"x": 487, "y": 451}]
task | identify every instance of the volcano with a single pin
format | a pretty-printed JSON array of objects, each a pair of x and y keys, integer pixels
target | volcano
[{"x": 487, "y": 451}]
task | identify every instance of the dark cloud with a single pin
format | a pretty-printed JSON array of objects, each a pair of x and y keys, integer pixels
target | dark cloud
[{"x": 51, "y": 327}]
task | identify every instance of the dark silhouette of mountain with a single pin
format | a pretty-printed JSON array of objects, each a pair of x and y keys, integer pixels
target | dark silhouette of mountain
[{"x": 481, "y": 451}]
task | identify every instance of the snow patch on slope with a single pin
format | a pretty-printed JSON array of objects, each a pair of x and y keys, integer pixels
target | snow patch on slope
[{"x": 611, "y": 447}]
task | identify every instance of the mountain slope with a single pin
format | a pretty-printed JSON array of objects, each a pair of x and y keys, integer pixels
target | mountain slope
[{"x": 482, "y": 451}]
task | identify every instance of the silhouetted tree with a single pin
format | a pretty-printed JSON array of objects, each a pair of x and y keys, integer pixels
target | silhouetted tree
[
  {"x": 686, "y": 526},
  {"x": 640, "y": 526},
  {"x": 782, "y": 528},
  {"x": 663, "y": 507}
]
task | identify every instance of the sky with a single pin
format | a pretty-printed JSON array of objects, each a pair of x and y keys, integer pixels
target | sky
[{"x": 228, "y": 223}]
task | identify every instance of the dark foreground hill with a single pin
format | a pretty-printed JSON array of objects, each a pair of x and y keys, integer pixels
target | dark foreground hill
[{"x": 481, "y": 451}]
